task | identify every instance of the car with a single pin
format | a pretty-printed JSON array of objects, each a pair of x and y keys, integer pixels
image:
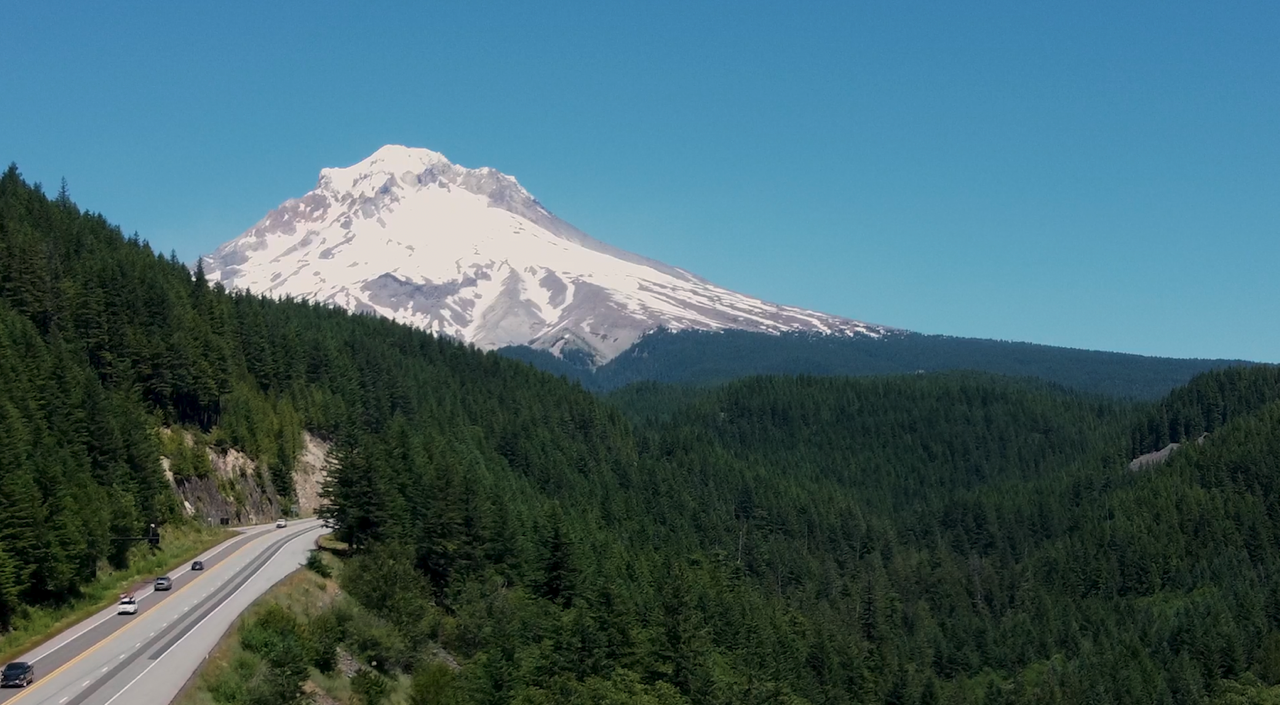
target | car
[
  {"x": 18, "y": 674},
  {"x": 164, "y": 582},
  {"x": 281, "y": 523},
  {"x": 197, "y": 565},
  {"x": 127, "y": 605}
]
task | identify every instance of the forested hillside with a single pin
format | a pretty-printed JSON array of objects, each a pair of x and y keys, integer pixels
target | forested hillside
[
  {"x": 701, "y": 358},
  {"x": 1206, "y": 405},
  {"x": 105, "y": 340},
  {"x": 950, "y": 538},
  {"x": 934, "y": 538}
]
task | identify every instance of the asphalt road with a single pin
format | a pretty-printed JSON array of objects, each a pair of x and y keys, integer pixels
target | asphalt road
[{"x": 145, "y": 659}]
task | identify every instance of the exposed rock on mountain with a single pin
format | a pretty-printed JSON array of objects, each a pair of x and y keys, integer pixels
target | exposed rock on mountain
[{"x": 470, "y": 254}]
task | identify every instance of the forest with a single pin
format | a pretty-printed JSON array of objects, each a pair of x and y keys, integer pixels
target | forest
[
  {"x": 945, "y": 537},
  {"x": 694, "y": 357}
]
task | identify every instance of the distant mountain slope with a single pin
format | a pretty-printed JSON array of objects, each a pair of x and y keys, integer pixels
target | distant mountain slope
[
  {"x": 470, "y": 254},
  {"x": 697, "y": 357}
]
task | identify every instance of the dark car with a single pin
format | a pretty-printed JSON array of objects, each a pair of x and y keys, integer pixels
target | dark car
[
  {"x": 164, "y": 583},
  {"x": 18, "y": 674},
  {"x": 197, "y": 565}
]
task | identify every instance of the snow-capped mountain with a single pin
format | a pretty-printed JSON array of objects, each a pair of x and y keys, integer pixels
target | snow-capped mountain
[{"x": 470, "y": 254}]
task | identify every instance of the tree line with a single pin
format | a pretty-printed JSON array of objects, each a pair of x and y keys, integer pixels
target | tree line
[
  {"x": 949, "y": 537},
  {"x": 695, "y": 357}
]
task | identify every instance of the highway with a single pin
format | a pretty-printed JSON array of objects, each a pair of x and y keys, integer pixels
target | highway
[{"x": 145, "y": 659}]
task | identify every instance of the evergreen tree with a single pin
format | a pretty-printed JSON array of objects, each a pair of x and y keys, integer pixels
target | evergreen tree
[{"x": 940, "y": 537}]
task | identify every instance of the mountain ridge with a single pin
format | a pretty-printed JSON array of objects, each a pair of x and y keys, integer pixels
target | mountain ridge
[
  {"x": 700, "y": 358},
  {"x": 471, "y": 254}
]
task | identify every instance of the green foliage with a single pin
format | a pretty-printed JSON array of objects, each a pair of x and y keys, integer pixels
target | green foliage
[
  {"x": 370, "y": 687},
  {"x": 934, "y": 538},
  {"x": 316, "y": 564},
  {"x": 1206, "y": 405},
  {"x": 78, "y": 462},
  {"x": 955, "y": 538},
  {"x": 1246, "y": 691},
  {"x": 273, "y": 666},
  {"x": 375, "y": 640},
  {"x": 179, "y": 544},
  {"x": 324, "y": 634},
  {"x": 187, "y": 453},
  {"x": 692, "y": 357},
  {"x": 101, "y": 341},
  {"x": 433, "y": 684}
]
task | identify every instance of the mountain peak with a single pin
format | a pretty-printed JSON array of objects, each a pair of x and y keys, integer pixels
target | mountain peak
[
  {"x": 393, "y": 160},
  {"x": 409, "y": 235},
  {"x": 396, "y": 167}
]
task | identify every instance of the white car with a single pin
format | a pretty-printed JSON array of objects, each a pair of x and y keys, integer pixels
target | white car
[
  {"x": 281, "y": 523},
  {"x": 128, "y": 605}
]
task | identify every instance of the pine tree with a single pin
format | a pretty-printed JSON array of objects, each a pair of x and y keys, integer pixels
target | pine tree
[
  {"x": 558, "y": 573},
  {"x": 349, "y": 495},
  {"x": 11, "y": 584},
  {"x": 63, "y": 199}
]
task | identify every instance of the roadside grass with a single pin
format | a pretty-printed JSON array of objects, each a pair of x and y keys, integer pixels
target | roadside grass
[
  {"x": 179, "y": 544},
  {"x": 304, "y": 593},
  {"x": 332, "y": 545},
  {"x": 335, "y": 685},
  {"x": 338, "y": 687}
]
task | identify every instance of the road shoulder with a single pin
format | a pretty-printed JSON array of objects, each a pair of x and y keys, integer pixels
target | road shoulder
[{"x": 47, "y": 625}]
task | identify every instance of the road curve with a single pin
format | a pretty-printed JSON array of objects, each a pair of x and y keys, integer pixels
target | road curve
[{"x": 146, "y": 658}]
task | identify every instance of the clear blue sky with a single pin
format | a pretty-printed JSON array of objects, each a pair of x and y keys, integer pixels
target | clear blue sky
[{"x": 1073, "y": 173}]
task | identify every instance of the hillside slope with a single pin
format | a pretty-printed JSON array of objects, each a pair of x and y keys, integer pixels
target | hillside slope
[
  {"x": 932, "y": 538},
  {"x": 698, "y": 357}
]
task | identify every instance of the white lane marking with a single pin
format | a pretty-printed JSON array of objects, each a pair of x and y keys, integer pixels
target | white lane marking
[
  {"x": 207, "y": 554},
  {"x": 202, "y": 621},
  {"x": 60, "y": 702},
  {"x": 110, "y": 613},
  {"x": 261, "y": 529},
  {"x": 71, "y": 638},
  {"x": 86, "y": 683}
]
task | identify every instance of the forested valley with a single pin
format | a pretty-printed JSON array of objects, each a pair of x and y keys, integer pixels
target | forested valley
[{"x": 932, "y": 538}]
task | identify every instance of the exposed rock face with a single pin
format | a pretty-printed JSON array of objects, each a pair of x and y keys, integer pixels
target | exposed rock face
[
  {"x": 1153, "y": 458},
  {"x": 236, "y": 491},
  {"x": 239, "y": 491},
  {"x": 469, "y": 253},
  {"x": 1158, "y": 457},
  {"x": 309, "y": 473}
]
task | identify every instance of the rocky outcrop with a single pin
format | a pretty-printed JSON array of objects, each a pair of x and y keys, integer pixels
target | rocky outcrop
[
  {"x": 240, "y": 492},
  {"x": 1159, "y": 456},
  {"x": 236, "y": 491},
  {"x": 309, "y": 473}
]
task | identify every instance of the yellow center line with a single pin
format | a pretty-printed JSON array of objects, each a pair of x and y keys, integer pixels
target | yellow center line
[{"x": 49, "y": 678}]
